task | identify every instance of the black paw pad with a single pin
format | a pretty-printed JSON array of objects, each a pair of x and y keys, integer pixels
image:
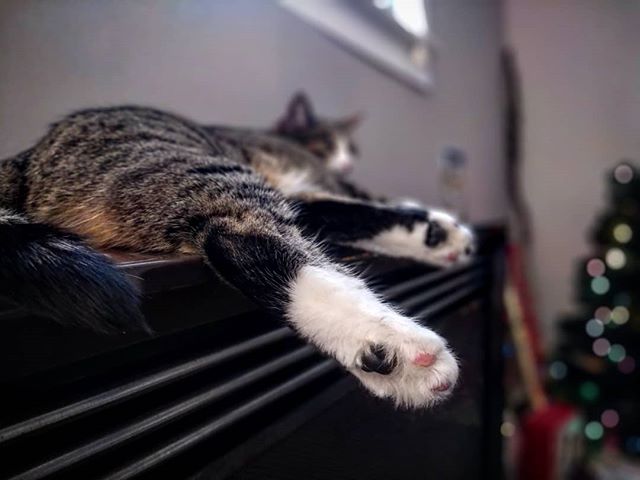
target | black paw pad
[
  {"x": 436, "y": 234},
  {"x": 377, "y": 360}
]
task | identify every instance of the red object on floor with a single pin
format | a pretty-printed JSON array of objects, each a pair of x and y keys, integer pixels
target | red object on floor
[{"x": 541, "y": 433}]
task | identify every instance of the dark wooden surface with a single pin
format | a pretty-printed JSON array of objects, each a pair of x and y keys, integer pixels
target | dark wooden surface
[
  {"x": 318, "y": 424},
  {"x": 360, "y": 437}
]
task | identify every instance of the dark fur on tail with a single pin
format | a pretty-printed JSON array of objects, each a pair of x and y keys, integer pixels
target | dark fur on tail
[{"x": 55, "y": 275}]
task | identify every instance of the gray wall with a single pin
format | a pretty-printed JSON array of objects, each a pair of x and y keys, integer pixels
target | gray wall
[
  {"x": 581, "y": 83},
  {"x": 238, "y": 61}
]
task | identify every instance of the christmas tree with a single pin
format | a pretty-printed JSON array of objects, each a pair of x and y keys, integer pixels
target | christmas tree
[{"x": 596, "y": 366}]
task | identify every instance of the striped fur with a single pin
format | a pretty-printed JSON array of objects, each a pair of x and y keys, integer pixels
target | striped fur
[{"x": 145, "y": 180}]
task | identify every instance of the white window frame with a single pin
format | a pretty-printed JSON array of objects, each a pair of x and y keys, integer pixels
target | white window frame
[{"x": 359, "y": 34}]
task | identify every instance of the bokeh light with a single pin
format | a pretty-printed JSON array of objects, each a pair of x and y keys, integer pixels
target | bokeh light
[
  {"x": 507, "y": 429},
  {"x": 558, "y": 370},
  {"x": 601, "y": 347},
  {"x": 603, "y": 314},
  {"x": 622, "y": 233},
  {"x": 620, "y": 315},
  {"x": 610, "y": 418},
  {"x": 615, "y": 258},
  {"x": 574, "y": 426},
  {"x": 594, "y": 327},
  {"x": 627, "y": 366},
  {"x": 593, "y": 430},
  {"x": 600, "y": 285},
  {"x": 617, "y": 353},
  {"x": 589, "y": 391},
  {"x": 596, "y": 267},
  {"x": 623, "y": 173}
]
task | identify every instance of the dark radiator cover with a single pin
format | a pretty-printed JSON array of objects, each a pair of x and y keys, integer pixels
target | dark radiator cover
[{"x": 224, "y": 391}]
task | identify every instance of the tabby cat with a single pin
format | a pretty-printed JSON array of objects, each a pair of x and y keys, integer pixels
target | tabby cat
[{"x": 252, "y": 204}]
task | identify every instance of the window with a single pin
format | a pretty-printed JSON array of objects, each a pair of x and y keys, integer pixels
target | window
[
  {"x": 390, "y": 34},
  {"x": 408, "y": 14}
]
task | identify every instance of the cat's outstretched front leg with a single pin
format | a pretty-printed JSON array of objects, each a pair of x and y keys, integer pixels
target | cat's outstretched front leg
[
  {"x": 390, "y": 354},
  {"x": 429, "y": 236}
]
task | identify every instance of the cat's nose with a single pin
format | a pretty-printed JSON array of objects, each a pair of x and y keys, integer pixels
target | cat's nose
[{"x": 436, "y": 234}]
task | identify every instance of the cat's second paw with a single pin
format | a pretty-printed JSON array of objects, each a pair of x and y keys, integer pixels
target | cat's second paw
[
  {"x": 432, "y": 237},
  {"x": 447, "y": 241}
]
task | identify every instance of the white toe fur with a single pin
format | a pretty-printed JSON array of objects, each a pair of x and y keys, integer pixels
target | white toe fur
[{"x": 339, "y": 314}]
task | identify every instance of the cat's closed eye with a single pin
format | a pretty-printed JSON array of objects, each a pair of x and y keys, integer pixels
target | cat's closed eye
[{"x": 322, "y": 146}]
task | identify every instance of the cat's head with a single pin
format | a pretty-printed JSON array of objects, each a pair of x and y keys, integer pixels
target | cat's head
[{"x": 330, "y": 140}]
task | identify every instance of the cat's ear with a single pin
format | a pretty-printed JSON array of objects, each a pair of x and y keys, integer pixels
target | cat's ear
[
  {"x": 299, "y": 115},
  {"x": 351, "y": 122}
]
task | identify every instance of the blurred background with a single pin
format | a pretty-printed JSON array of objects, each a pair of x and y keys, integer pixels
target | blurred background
[{"x": 522, "y": 113}]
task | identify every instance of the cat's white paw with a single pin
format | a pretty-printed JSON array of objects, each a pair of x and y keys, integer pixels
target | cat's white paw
[
  {"x": 407, "y": 363},
  {"x": 448, "y": 241},
  {"x": 390, "y": 354},
  {"x": 441, "y": 240}
]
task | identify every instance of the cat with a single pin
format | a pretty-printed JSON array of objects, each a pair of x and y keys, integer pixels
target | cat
[
  {"x": 254, "y": 205},
  {"x": 330, "y": 141}
]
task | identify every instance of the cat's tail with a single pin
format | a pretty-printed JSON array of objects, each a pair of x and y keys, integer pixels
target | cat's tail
[{"x": 54, "y": 274}]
